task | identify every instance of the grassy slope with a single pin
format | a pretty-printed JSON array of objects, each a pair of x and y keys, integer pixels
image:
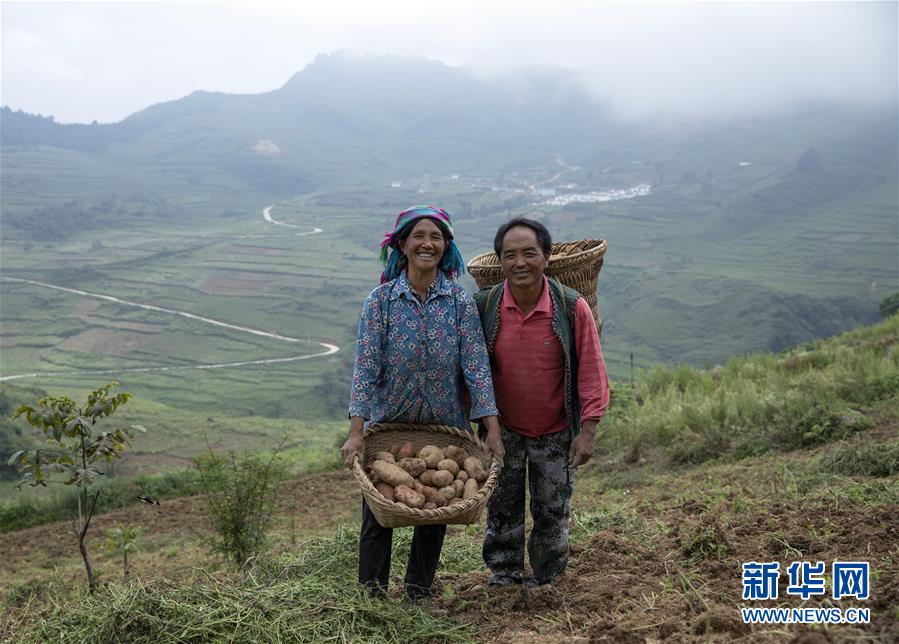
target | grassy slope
[{"x": 657, "y": 546}]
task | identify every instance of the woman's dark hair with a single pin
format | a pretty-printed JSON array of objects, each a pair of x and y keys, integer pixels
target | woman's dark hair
[
  {"x": 406, "y": 230},
  {"x": 544, "y": 239}
]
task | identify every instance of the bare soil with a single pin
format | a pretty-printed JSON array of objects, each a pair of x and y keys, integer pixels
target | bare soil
[
  {"x": 670, "y": 573},
  {"x": 618, "y": 589}
]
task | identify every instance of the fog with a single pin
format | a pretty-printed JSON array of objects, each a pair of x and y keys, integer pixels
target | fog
[{"x": 102, "y": 61}]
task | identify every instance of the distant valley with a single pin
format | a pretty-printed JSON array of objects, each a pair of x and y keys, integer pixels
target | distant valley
[{"x": 724, "y": 238}]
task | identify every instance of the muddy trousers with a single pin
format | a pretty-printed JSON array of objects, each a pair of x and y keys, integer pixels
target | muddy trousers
[
  {"x": 543, "y": 462},
  {"x": 375, "y": 545}
]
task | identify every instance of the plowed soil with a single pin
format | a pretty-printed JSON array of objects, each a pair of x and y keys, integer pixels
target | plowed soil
[{"x": 667, "y": 570}]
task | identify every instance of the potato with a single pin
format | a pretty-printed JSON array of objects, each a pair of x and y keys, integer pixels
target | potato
[
  {"x": 390, "y": 473},
  {"x": 429, "y": 505},
  {"x": 406, "y": 451},
  {"x": 437, "y": 498},
  {"x": 387, "y": 457},
  {"x": 456, "y": 501},
  {"x": 475, "y": 469},
  {"x": 449, "y": 492},
  {"x": 440, "y": 478},
  {"x": 458, "y": 486},
  {"x": 432, "y": 455},
  {"x": 458, "y": 454},
  {"x": 385, "y": 490},
  {"x": 471, "y": 488},
  {"x": 427, "y": 477},
  {"x": 431, "y": 494},
  {"x": 462, "y": 476},
  {"x": 448, "y": 465},
  {"x": 414, "y": 466},
  {"x": 405, "y": 494}
]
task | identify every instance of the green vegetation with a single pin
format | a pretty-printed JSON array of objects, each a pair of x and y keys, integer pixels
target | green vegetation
[
  {"x": 800, "y": 398},
  {"x": 889, "y": 305},
  {"x": 75, "y": 450},
  {"x": 239, "y": 492},
  {"x": 654, "y": 516},
  {"x": 311, "y": 596},
  {"x": 122, "y": 541},
  {"x": 22, "y": 510},
  {"x": 760, "y": 235},
  {"x": 856, "y": 459}
]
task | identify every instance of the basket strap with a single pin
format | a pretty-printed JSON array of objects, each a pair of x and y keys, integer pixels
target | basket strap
[{"x": 487, "y": 300}]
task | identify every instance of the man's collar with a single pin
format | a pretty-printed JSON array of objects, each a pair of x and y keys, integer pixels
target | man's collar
[{"x": 544, "y": 304}]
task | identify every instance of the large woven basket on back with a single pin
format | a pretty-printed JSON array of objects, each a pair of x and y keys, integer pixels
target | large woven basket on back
[
  {"x": 381, "y": 436},
  {"x": 575, "y": 264}
]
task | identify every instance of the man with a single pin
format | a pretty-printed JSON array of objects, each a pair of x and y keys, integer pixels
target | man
[{"x": 551, "y": 390}]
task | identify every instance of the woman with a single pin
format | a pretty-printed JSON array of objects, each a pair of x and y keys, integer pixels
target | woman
[{"x": 419, "y": 338}]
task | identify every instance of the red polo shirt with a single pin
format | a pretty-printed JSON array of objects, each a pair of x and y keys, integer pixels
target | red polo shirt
[{"x": 528, "y": 367}]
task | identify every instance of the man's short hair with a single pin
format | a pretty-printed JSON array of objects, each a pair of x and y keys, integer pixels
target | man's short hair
[{"x": 544, "y": 239}]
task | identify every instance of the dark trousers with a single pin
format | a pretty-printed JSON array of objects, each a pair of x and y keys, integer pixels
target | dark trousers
[
  {"x": 542, "y": 464},
  {"x": 375, "y": 543}
]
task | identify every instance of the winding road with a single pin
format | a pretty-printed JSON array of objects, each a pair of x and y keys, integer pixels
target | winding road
[{"x": 329, "y": 349}]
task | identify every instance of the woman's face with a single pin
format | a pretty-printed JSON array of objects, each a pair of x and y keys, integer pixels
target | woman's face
[{"x": 424, "y": 247}]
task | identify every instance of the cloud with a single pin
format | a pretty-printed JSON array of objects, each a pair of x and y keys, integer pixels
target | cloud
[{"x": 105, "y": 60}]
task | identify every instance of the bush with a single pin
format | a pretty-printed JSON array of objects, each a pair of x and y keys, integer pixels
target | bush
[{"x": 240, "y": 496}]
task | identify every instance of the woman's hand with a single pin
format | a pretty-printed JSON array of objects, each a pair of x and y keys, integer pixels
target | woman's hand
[
  {"x": 494, "y": 438},
  {"x": 353, "y": 445}
]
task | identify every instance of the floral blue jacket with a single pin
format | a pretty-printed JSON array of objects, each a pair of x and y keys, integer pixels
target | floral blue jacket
[{"x": 412, "y": 358}]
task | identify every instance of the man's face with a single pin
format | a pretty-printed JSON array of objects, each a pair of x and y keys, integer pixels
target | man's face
[{"x": 521, "y": 258}]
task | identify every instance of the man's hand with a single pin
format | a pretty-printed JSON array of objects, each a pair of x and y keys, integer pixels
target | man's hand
[
  {"x": 494, "y": 439},
  {"x": 582, "y": 447},
  {"x": 353, "y": 445}
]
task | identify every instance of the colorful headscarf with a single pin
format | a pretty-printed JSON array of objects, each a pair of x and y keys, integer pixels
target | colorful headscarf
[{"x": 393, "y": 259}]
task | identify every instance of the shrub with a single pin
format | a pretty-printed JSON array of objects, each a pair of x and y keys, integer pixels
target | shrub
[{"x": 240, "y": 495}]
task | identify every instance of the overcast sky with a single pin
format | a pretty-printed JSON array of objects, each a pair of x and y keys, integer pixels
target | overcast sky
[{"x": 104, "y": 61}]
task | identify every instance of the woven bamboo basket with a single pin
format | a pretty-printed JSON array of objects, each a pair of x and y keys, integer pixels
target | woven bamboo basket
[
  {"x": 381, "y": 436},
  {"x": 575, "y": 264}
]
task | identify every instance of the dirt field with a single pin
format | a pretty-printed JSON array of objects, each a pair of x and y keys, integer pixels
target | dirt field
[
  {"x": 235, "y": 283},
  {"x": 655, "y": 557}
]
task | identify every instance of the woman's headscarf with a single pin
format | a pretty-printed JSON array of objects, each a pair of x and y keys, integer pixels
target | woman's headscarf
[{"x": 393, "y": 259}]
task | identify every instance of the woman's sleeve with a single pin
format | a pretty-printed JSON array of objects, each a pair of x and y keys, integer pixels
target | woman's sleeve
[
  {"x": 368, "y": 363},
  {"x": 473, "y": 359}
]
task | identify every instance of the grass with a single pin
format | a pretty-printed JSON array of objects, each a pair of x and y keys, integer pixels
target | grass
[
  {"x": 801, "y": 398},
  {"x": 856, "y": 459},
  {"x": 310, "y": 596}
]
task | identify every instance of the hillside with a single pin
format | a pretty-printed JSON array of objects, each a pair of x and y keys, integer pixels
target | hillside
[
  {"x": 786, "y": 457},
  {"x": 125, "y": 245}
]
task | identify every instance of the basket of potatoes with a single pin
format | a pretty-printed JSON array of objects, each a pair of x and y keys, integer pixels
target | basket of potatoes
[{"x": 424, "y": 474}]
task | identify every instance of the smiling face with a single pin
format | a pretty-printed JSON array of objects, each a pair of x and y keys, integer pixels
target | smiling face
[
  {"x": 521, "y": 258},
  {"x": 424, "y": 247}
]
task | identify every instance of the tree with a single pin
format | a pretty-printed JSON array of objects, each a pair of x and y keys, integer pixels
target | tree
[{"x": 74, "y": 452}]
